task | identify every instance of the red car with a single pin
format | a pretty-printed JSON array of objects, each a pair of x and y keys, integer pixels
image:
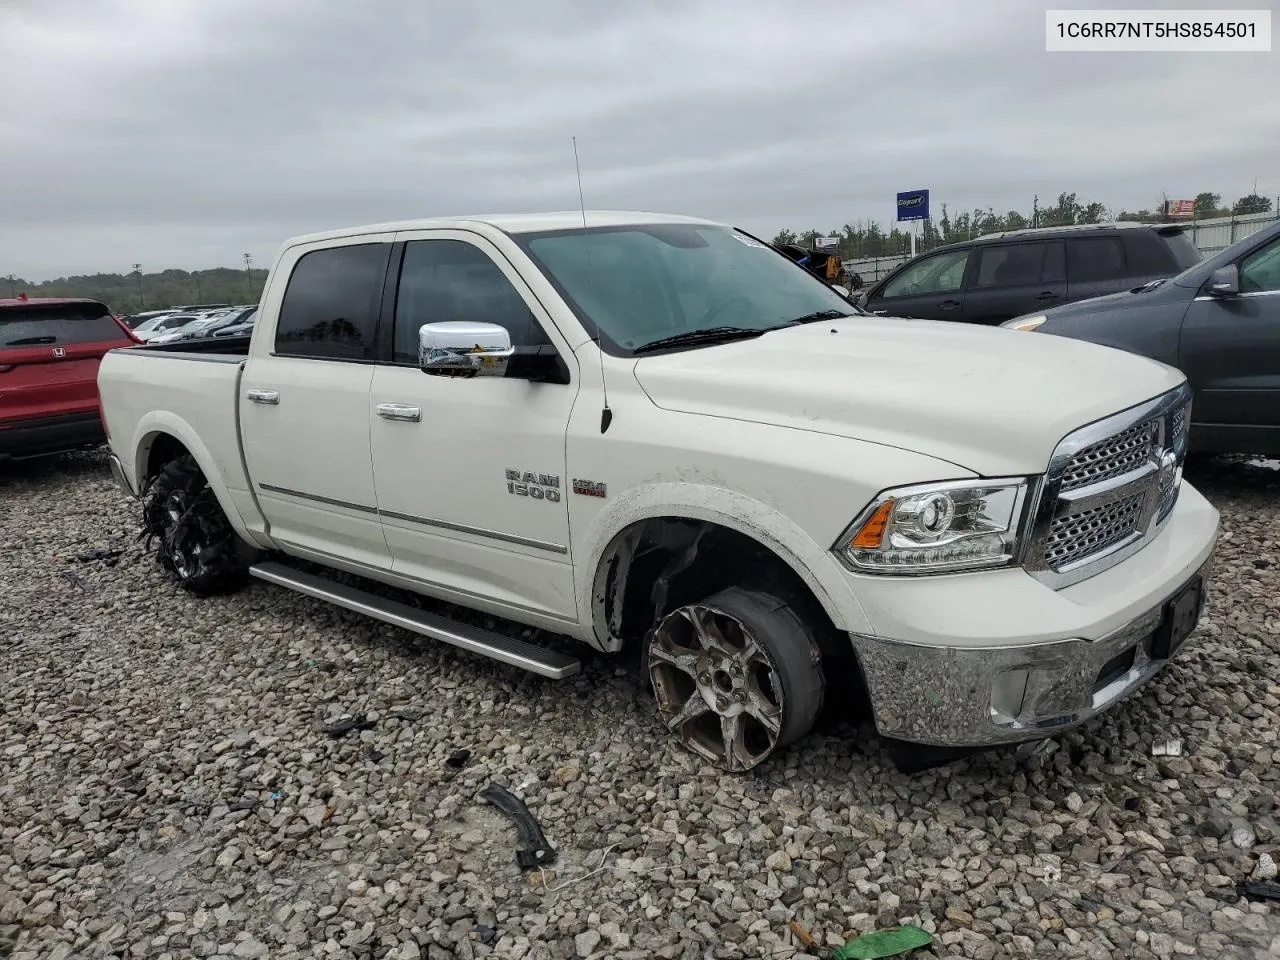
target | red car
[{"x": 49, "y": 354}]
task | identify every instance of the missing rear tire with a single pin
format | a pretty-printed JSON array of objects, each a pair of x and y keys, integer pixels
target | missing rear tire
[{"x": 196, "y": 544}]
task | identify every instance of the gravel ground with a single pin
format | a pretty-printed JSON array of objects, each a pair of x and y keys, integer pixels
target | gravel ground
[{"x": 164, "y": 791}]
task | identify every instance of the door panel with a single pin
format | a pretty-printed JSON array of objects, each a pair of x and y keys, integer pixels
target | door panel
[
  {"x": 304, "y": 408},
  {"x": 308, "y": 454},
  {"x": 1230, "y": 352},
  {"x": 473, "y": 493},
  {"x": 1013, "y": 279},
  {"x": 931, "y": 288}
]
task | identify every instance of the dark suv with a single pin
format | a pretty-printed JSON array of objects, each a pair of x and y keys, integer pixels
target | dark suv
[{"x": 994, "y": 278}]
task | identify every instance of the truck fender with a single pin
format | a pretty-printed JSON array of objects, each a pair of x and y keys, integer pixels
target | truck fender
[
  {"x": 158, "y": 423},
  {"x": 810, "y": 560}
]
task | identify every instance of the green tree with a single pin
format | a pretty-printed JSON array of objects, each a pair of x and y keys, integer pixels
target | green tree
[
  {"x": 1207, "y": 204},
  {"x": 785, "y": 236},
  {"x": 1252, "y": 204}
]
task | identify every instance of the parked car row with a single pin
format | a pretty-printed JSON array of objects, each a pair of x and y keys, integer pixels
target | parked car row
[{"x": 170, "y": 326}]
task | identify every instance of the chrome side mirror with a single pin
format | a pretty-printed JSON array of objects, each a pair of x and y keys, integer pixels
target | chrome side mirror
[
  {"x": 1225, "y": 282},
  {"x": 460, "y": 348},
  {"x": 847, "y": 294}
]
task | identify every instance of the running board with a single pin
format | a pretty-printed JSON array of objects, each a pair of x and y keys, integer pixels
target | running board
[{"x": 495, "y": 646}]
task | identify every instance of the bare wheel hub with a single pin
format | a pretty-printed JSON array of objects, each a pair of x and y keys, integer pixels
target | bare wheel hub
[{"x": 716, "y": 687}]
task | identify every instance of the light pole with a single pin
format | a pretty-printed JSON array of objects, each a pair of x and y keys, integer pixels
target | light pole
[
  {"x": 195, "y": 275},
  {"x": 248, "y": 272},
  {"x": 137, "y": 268},
  {"x": 13, "y": 289}
]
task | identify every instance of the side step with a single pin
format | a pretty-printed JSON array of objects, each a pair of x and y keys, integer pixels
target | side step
[{"x": 495, "y": 646}]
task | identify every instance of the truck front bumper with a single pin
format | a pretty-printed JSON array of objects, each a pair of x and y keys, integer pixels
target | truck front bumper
[{"x": 1115, "y": 631}]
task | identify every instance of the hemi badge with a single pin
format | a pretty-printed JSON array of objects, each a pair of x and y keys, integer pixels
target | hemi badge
[{"x": 589, "y": 488}]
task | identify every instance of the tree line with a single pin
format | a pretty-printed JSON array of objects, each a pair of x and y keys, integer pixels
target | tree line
[
  {"x": 126, "y": 293},
  {"x": 863, "y": 239}
]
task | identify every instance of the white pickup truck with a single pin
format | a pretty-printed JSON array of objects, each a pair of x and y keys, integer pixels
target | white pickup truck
[{"x": 657, "y": 435}]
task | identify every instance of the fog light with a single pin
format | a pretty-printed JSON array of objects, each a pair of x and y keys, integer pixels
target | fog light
[{"x": 1008, "y": 691}]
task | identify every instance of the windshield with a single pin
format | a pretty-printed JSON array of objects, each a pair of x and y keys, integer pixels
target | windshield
[{"x": 641, "y": 283}]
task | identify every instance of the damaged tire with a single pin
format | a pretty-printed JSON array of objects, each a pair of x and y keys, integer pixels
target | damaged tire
[
  {"x": 196, "y": 544},
  {"x": 737, "y": 676}
]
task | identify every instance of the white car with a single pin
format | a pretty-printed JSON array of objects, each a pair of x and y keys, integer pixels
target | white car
[{"x": 657, "y": 435}]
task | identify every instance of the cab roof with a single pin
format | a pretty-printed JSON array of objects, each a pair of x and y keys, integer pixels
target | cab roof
[{"x": 508, "y": 223}]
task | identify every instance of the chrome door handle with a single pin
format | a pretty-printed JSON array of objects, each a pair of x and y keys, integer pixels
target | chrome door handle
[
  {"x": 263, "y": 396},
  {"x": 399, "y": 411}
]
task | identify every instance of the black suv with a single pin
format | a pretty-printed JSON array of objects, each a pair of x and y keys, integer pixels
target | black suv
[{"x": 999, "y": 276}]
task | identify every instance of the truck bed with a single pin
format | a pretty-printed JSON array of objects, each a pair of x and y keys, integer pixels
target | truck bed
[{"x": 187, "y": 390}]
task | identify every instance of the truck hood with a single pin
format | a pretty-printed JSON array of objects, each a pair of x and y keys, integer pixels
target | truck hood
[
  {"x": 992, "y": 401},
  {"x": 1166, "y": 292}
]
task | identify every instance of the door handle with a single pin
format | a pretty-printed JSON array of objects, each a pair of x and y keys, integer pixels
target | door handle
[
  {"x": 263, "y": 396},
  {"x": 949, "y": 304},
  {"x": 399, "y": 411},
  {"x": 1048, "y": 295}
]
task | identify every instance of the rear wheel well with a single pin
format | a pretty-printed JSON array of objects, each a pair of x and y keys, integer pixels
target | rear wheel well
[
  {"x": 659, "y": 564},
  {"x": 163, "y": 448}
]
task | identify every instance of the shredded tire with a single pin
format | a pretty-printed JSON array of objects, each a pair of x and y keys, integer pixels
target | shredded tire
[{"x": 196, "y": 544}]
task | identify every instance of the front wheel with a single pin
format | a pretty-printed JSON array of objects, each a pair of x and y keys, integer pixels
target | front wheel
[
  {"x": 736, "y": 676},
  {"x": 197, "y": 545}
]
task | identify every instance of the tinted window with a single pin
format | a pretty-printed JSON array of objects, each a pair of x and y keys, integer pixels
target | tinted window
[
  {"x": 1098, "y": 258},
  {"x": 940, "y": 274},
  {"x": 57, "y": 324},
  {"x": 1010, "y": 265},
  {"x": 1185, "y": 253},
  {"x": 1055, "y": 262},
  {"x": 330, "y": 308},
  {"x": 443, "y": 280},
  {"x": 1260, "y": 271}
]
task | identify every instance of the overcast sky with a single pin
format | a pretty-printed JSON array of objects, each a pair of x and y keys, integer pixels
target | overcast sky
[{"x": 183, "y": 133}]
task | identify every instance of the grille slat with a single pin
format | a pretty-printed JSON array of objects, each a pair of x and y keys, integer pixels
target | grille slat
[
  {"x": 1078, "y": 536},
  {"x": 1112, "y": 457}
]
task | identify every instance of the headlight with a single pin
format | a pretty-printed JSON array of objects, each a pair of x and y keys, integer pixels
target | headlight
[
  {"x": 1025, "y": 323},
  {"x": 937, "y": 528}
]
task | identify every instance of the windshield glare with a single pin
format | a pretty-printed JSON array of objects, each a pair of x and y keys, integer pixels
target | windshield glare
[{"x": 645, "y": 282}]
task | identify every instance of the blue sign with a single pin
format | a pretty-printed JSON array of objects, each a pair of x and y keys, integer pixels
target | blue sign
[{"x": 913, "y": 205}]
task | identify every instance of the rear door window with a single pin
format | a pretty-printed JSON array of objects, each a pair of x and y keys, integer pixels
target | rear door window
[
  {"x": 1096, "y": 258},
  {"x": 330, "y": 308},
  {"x": 60, "y": 324},
  {"x": 1011, "y": 265}
]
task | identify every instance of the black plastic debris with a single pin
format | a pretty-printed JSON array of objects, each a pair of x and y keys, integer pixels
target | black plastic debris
[
  {"x": 534, "y": 850},
  {"x": 458, "y": 759},
  {"x": 108, "y": 555},
  {"x": 1259, "y": 890},
  {"x": 345, "y": 724}
]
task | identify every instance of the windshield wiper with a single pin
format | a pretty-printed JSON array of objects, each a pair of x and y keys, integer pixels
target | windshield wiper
[
  {"x": 709, "y": 335},
  {"x": 812, "y": 317},
  {"x": 31, "y": 341}
]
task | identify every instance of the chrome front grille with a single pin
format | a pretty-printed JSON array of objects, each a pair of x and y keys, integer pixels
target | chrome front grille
[
  {"x": 1112, "y": 457},
  {"x": 1079, "y": 535},
  {"x": 1109, "y": 487}
]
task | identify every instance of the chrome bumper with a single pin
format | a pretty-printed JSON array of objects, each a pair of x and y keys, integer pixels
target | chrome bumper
[
  {"x": 986, "y": 696},
  {"x": 118, "y": 474}
]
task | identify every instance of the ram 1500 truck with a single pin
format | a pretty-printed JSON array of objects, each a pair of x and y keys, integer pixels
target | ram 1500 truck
[{"x": 658, "y": 435}]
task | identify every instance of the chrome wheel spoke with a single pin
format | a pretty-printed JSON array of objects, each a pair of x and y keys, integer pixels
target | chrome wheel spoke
[
  {"x": 765, "y": 714},
  {"x": 731, "y": 735}
]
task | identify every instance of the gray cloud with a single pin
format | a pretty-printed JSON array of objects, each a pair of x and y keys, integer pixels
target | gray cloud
[{"x": 186, "y": 134}]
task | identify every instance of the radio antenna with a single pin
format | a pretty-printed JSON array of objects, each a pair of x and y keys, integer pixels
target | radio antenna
[{"x": 606, "y": 415}]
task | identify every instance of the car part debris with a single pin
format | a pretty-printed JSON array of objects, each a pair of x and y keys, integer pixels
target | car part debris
[
  {"x": 803, "y": 935},
  {"x": 534, "y": 850},
  {"x": 345, "y": 724},
  {"x": 1259, "y": 889},
  {"x": 1167, "y": 748},
  {"x": 458, "y": 759},
  {"x": 548, "y": 875},
  {"x": 109, "y": 555},
  {"x": 74, "y": 579},
  {"x": 239, "y": 805},
  {"x": 884, "y": 943}
]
